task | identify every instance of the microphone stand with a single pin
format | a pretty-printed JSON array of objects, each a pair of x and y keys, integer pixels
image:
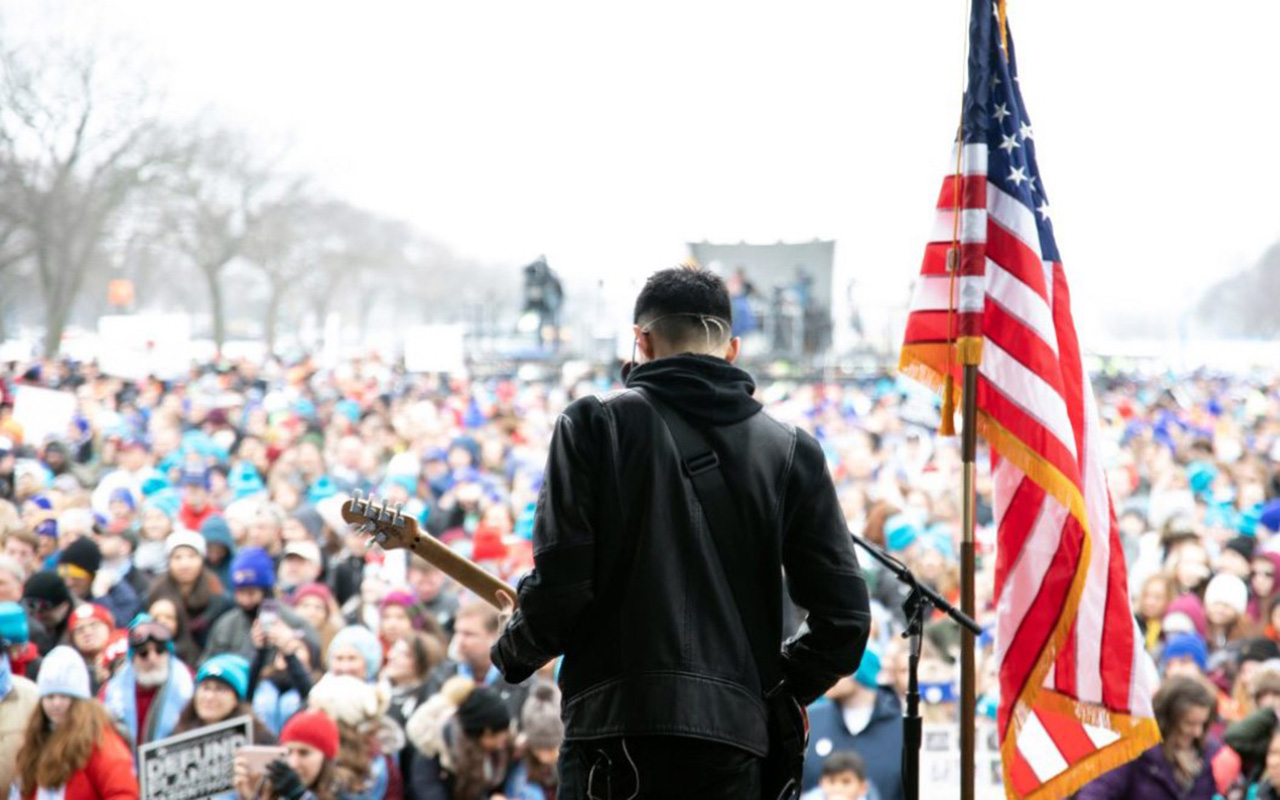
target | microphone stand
[{"x": 920, "y": 601}]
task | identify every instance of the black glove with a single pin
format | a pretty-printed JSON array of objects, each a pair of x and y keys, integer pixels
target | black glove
[{"x": 284, "y": 780}]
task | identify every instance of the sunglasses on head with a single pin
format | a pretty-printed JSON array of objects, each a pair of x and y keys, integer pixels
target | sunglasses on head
[{"x": 149, "y": 632}]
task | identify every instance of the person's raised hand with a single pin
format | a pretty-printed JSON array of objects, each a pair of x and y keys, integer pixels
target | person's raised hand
[
  {"x": 256, "y": 635},
  {"x": 284, "y": 780}
]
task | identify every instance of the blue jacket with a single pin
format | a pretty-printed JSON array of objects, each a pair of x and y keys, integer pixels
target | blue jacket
[
  {"x": 162, "y": 717},
  {"x": 879, "y": 744},
  {"x": 122, "y": 601}
]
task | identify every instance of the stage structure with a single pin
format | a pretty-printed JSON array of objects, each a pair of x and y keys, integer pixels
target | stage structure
[{"x": 781, "y": 293}]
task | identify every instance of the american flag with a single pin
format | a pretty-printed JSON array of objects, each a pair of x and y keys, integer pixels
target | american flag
[{"x": 1075, "y": 684}]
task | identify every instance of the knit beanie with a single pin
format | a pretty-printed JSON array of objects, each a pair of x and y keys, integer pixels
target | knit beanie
[
  {"x": 1243, "y": 545},
  {"x": 13, "y": 624},
  {"x": 47, "y": 586},
  {"x": 364, "y": 641},
  {"x": 900, "y": 532},
  {"x": 317, "y": 590},
  {"x": 348, "y": 700},
  {"x": 82, "y": 553},
  {"x": 253, "y": 568},
  {"x": 231, "y": 669},
  {"x": 398, "y": 597},
  {"x": 483, "y": 710},
  {"x": 1185, "y": 645},
  {"x": 310, "y": 520},
  {"x": 63, "y": 672},
  {"x": 1228, "y": 590},
  {"x": 183, "y": 537},
  {"x": 314, "y": 729},
  {"x": 88, "y": 612},
  {"x": 166, "y": 501},
  {"x": 540, "y": 718},
  {"x": 1188, "y": 607},
  {"x": 868, "y": 673}
]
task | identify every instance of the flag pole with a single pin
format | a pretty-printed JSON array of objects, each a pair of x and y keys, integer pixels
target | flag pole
[{"x": 968, "y": 672}]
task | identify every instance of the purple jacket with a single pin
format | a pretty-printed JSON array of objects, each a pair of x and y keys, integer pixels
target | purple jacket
[{"x": 1149, "y": 777}]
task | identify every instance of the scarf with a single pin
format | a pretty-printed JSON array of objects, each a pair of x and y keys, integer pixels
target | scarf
[{"x": 176, "y": 692}]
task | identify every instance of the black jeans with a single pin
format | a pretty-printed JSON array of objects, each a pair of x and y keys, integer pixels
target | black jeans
[{"x": 657, "y": 768}]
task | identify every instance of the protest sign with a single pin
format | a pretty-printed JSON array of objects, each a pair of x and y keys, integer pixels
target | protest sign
[{"x": 193, "y": 765}]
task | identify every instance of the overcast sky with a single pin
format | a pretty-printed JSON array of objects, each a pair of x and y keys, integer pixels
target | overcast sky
[{"x": 606, "y": 135}]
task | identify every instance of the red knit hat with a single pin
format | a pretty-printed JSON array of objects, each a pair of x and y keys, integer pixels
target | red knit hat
[
  {"x": 314, "y": 729},
  {"x": 318, "y": 590},
  {"x": 91, "y": 611}
]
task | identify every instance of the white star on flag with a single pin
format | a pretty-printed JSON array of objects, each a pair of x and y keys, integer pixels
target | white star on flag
[
  {"x": 1017, "y": 175},
  {"x": 1009, "y": 143},
  {"x": 1001, "y": 112},
  {"x": 1044, "y": 210}
]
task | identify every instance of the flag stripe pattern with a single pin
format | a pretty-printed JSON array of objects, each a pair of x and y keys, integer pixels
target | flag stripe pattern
[{"x": 1075, "y": 682}]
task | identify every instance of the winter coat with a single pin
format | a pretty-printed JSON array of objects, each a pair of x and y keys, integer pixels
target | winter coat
[
  {"x": 119, "y": 698},
  {"x": 230, "y": 633},
  {"x": 1148, "y": 777},
  {"x": 628, "y": 582},
  {"x": 122, "y": 601},
  {"x": 15, "y": 711},
  {"x": 879, "y": 744},
  {"x": 432, "y": 732},
  {"x": 107, "y": 775}
]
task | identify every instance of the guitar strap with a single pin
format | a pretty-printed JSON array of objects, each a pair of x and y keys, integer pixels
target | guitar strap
[{"x": 701, "y": 464}]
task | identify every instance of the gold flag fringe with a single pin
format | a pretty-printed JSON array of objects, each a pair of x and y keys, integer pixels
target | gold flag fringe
[{"x": 921, "y": 363}]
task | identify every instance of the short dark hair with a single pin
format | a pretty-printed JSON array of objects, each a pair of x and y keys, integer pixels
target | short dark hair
[
  {"x": 844, "y": 761},
  {"x": 675, "y": 304}
]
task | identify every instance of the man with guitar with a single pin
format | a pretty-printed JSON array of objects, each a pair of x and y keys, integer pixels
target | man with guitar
[{"x": 668, "y": 514}]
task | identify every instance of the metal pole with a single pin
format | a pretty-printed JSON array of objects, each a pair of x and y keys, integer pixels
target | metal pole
[{"x": 968, "y": 673}]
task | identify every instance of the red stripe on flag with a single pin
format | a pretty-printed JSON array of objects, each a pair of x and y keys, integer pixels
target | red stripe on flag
[
  {"x": 972, "y": 258},
  {"x": 1026, "y": 429},
  {"x": 930, "y": 327},
  {"x": 1016, "y": 258},
  {"x": 973, "y": 192},
  {"x": 1071, "y": 370},
  {"x": 1068, "y": 735},
  {"x": 1033, "y": 633},
  {"x": 1020, "y": 342},
  {"x": 1064, "y": 671},
  {"x": 1022, "y": 777},
  {"x": 1016, "y": 525},
  {"x": 1117, "y": 630}
]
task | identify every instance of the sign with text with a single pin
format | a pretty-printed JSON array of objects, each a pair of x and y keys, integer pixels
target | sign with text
[{"x": 193, "y": 765}]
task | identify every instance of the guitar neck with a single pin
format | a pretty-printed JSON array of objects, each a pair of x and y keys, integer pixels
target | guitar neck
[{"x": 484, "y": 585}]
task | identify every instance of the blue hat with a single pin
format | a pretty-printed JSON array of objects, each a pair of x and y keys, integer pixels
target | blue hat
[
  {"x": 122, "y": 495},
  {"x": 195, "y": 476},
  {"x": 323, "y": 488},
  {"x": 252, "y": 568},
  {"x": 1201, "y": 474},
  {"x": 229, "y": 668},
  {"x": 365, "y": 643},
  {"x": 900, "y": 532},
  {"x": 348, "y": 408},
  {"x": 244, "y": 480},
  {"x": 868, "y": 673},
  {"x": 1269, "y": 516},
  {"x": 1185, "y": 645},
  {"x": 166, "y": 501},
  {"x": 152, "y": 484},
  {"x": 13, "y": 624}
]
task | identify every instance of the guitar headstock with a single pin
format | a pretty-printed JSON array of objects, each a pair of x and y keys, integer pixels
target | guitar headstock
[{"x": 389, "y": 527}]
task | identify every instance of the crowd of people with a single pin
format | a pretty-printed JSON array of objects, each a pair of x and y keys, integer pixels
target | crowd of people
[{"x": 176, "y": 557}]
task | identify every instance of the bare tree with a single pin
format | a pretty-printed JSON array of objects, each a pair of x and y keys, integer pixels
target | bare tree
[
  {"x": 213, "y": 205},
  {"x": 75, "y": 146}
]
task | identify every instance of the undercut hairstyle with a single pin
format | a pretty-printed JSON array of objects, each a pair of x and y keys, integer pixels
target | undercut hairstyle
[{"x": 685, "y": 306}]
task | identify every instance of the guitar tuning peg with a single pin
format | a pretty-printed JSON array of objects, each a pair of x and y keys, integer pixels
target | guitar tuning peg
[
  {"x": 357, "y": 501},
  {"x": 370, "y": 510},
  {"x": 380, "y": 537},
  {"x": 383, "y": 516},
  {"x": 397, "y": 518}
]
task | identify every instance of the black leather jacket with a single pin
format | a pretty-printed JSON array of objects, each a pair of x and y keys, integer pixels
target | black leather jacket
[{"x": 626, "y": 582}]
